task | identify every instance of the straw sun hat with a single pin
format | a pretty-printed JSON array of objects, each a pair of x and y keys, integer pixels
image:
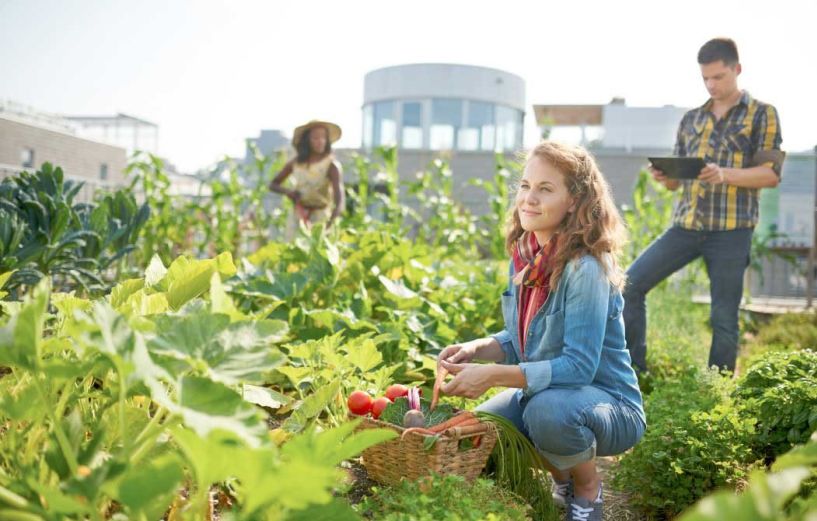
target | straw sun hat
[{"x": 332, "y": 129}]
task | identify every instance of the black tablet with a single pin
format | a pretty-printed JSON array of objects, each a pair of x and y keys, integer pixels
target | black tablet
[{"x": 678, "y": 167}]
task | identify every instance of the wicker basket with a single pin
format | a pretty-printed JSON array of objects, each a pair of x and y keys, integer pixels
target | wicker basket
[{"x": 390, "y": 461}]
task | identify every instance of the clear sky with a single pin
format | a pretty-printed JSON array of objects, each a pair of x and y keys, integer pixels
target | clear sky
[{"x": 211, "y": 73}]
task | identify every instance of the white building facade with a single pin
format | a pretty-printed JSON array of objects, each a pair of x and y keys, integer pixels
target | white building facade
[{"x": 443, "y": 107}]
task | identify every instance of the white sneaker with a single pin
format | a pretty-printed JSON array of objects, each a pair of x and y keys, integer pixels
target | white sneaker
[
  {"x": 562, "y": 492},
  {"x": 581, "y": 509}
]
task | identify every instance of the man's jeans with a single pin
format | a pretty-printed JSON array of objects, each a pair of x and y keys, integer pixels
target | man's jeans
[{"x": 726, "y": 254}]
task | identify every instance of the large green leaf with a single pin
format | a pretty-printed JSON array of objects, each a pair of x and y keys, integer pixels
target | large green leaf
[
  {"x": 4, "y": 277},
  {"x": 762, "y": 501},
  {"x": 67, "y": 304},
  {"x": 213, "y": 457},
  {"x": 308, "y": 470},
  {"x": 20, "y": 400},
  {"x": 399, "y": 294},
  {"x": 364, "y": 355},
  {"x": 142, "y": 303},
  {"x": 220, "y": 301},
  {"x": 155, "y": 271},
  {"x": 264, "y": 396},
  {"x": 187, "y": 279},
  {"x": 206, "y": 406},
  {"x": 108, "y": 332},
  {"x": 264, "y": 481},
  {"x": 150, "y": 488},
  {"x": 311, "y": 407},
  {"x": 335, "y": 445},
  {"x": 238, "y": 352},
  {"x": 21, "y": 338},
  {"x": 123, "y": 290}
]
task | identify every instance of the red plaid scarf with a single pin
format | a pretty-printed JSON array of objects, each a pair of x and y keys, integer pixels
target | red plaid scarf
[{"x": 532, "y": 267}]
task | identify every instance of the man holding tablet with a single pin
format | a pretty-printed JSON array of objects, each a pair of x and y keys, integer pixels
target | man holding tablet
[{"x": 736, "y": 140}]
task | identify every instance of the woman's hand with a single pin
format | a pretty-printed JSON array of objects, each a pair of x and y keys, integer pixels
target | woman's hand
[
  {"x": 458, "y": 353},
  {"x": 470, "y": 380}
]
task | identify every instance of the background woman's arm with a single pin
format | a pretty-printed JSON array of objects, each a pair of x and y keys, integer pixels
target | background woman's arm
[
  {"x": 336, "y": 177},
  {"x": 280, "y": 177}
]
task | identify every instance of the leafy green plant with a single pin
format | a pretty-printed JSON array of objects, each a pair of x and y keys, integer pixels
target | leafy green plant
[
  {"x": 112, "y": 405},
  {"x": 768, "y": 496},
  {"x": 413, "y": 297},
  {"x": 441, "y": 220},
  {"x": 44, "y": 233},
  {"x": 394, "y": 412},
  {"x": 499, "y": 200},
  {"x": 696, "y": 442},
  {"x": 677, "y": 344},
  {"x": 649, "y": 216},
  {"x": 448, "y": 498},
  {"x": 791, "y": 331},
  {"x": 780, "y": 391}
]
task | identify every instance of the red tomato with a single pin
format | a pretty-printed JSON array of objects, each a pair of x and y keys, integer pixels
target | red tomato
[
  {"x": 359, "y": 403},
  {"x": 378, "y": 405},
  {"x": 396, "y": 391}
]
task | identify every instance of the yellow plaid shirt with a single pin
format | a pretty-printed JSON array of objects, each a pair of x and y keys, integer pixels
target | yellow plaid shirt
[{"x": 732, "y": 142}]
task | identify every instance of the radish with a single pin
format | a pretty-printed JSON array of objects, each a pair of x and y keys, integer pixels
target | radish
[
  {"x": 413, "y": 418},
  {"x": 414, "y": 398}
]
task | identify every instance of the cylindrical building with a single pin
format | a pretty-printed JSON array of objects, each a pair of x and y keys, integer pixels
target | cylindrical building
[{"x": 443, "y": 107}]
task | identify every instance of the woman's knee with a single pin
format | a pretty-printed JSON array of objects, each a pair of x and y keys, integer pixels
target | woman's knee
[{"x": 551, "y": 422}]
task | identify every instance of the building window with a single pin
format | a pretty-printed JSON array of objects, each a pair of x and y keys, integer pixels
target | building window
[
  {"x": 508, "y": 128},
  {"x": 479, "y": 131},
  {"x": 368, "y": 126},
  {"x": 411, "y": 133},
  {"x": 385, "y": 124},
  {"x": 103, "y": 172},
  {"x": 446, "y": 119},
  {"x": 27, "y": 157}
]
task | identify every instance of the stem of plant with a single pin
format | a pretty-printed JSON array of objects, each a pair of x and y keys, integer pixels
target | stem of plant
[
  {"x": 62, "y": 439},
  {"x": 144, "y": 442}
]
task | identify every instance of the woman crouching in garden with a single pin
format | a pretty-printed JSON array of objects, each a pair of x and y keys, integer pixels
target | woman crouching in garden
[{"x": 562, "y": 352}]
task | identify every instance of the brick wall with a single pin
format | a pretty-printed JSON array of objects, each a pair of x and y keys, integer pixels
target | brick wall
[{"x": 79, "y": 158}]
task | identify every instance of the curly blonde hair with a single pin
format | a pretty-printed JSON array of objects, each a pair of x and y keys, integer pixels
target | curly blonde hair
[{"x": 593, "y": 227}]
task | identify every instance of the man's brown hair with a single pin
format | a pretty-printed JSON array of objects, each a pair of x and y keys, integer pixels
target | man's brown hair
[{"x": 719, "y": 49}]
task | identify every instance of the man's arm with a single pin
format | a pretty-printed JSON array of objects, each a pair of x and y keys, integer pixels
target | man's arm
[
  {"x": 766, "y": 163},
  {"x": 753, "y": 177}
]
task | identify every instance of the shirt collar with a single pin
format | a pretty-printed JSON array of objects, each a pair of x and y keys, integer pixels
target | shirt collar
[{"x": 745, "y": 99}]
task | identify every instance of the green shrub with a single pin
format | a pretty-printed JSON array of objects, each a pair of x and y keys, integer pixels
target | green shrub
[
  {"x": 44, "y": 232},
  {"x": 795, "y": 331},
  {"x": 780, "y": 391},
  {"x": 695, "y": 442},
  {"x": 677, "y": 344},
  {"x": 447, "y": 498},
  {"x": 784, "y": 493}
]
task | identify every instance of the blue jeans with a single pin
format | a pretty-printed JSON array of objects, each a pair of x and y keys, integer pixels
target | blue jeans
[
  {"x": 726, "y": 254},
  {"x": 569, "y": 426}
]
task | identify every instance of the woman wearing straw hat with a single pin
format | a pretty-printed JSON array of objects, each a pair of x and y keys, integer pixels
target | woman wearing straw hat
[{"x": 317, "y": 181}]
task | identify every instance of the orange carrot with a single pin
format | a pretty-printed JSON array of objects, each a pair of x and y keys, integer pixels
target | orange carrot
[
  {"x": 438, "y": 382},
  {"x": 464, "y": 430},
  {"x": 451, "y": 422},
  {"x": 418, "y": 430}
]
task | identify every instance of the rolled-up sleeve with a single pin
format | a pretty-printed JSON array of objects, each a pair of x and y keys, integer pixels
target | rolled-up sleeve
[
  {"x": 506, "y": 343},
  {"x": 585, "y": 320},
  {"x": 766, "y": 140}
]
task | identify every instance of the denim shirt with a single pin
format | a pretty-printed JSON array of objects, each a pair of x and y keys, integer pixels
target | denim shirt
[{"x": 576, "y": 338}]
